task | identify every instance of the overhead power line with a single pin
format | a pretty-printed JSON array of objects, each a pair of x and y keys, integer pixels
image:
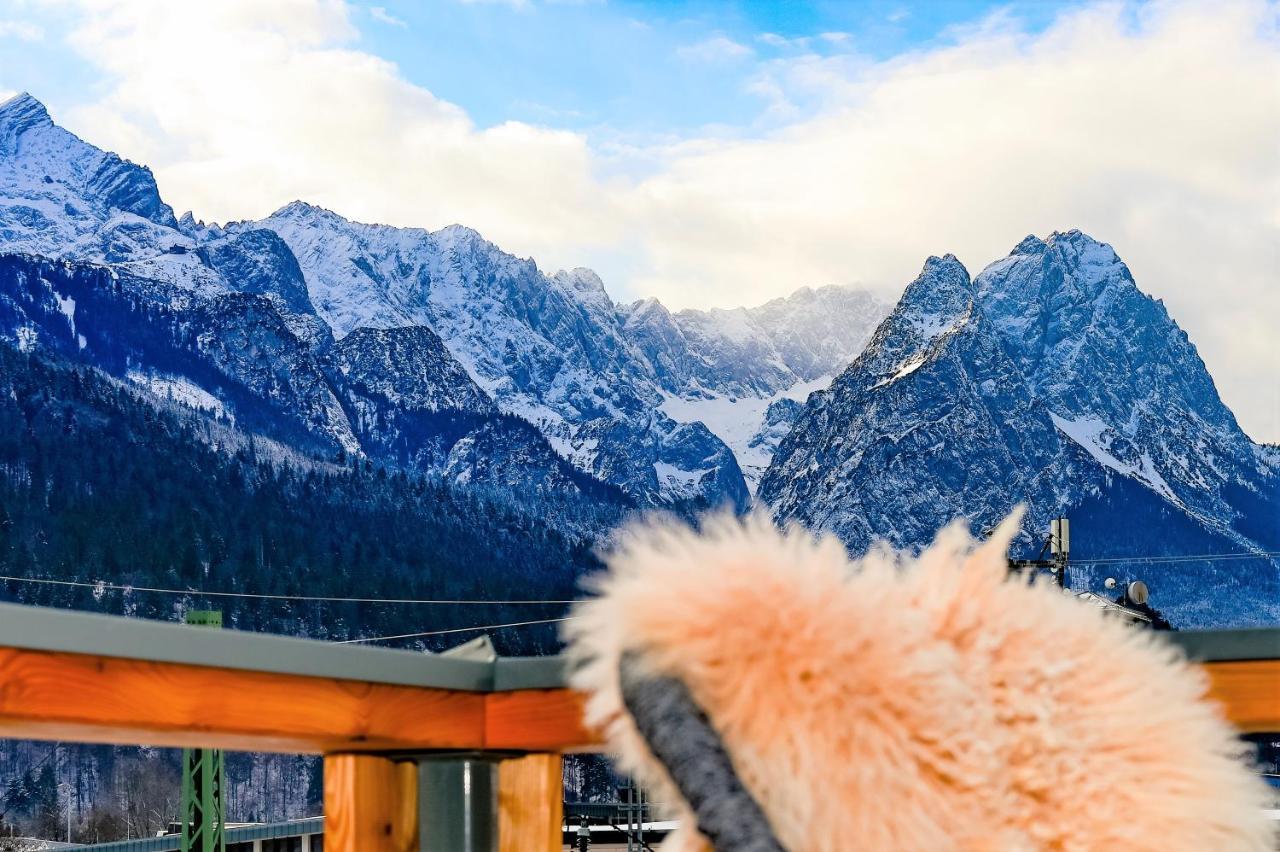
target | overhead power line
[
  {"x": 117, "y": 587},
  {"x": 457, "y": 630},
  {"x": 1203, "y": 557},
  {"x": 102, "y": 585}
]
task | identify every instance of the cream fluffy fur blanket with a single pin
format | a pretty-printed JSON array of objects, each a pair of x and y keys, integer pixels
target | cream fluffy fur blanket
[{"x": 897, "y": 703}]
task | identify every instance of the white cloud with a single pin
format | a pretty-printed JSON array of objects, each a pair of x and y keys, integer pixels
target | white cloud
[
  {"x": 718, "y": 48},
  {"x": 1152, "y": 128},
  {"x": 300, "y": 114},
  {"x": 378, "y": 13},
  {"x": 782, "y": 42},
  {"x": 515, "y": 4},
  {"x": 21, "y": 30}
]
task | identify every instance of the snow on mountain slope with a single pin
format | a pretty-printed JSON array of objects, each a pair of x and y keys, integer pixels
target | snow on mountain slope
[
  {"x": 744, "y": 422},
  {"x": 1049, "y": 380},
  {"x": 550, "y": 349},
  {"x": 725, "y": 368},
  {"x": 60, "y": 196}
]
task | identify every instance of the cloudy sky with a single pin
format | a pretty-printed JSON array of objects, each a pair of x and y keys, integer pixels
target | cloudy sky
[{"x": 719, "y": 153}]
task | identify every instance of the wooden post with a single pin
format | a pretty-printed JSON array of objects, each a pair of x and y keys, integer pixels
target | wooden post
[
  {"x": 370, "y": 804},
  {"x": 530, "y": 804}
]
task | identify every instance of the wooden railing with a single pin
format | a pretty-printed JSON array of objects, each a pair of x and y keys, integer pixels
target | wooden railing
[{"x": 385, "y": 720}]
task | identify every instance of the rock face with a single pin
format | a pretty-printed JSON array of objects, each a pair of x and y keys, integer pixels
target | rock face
[{"x": 1049, "y": 380}]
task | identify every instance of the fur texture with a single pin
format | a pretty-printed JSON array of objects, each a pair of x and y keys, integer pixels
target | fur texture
[{"x": 926, "y": 703}]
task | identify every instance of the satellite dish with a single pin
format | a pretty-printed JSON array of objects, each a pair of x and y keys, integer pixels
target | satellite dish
[
  {"x": 1137, "y": 592},
  {"x": 1110, "y": 583}
]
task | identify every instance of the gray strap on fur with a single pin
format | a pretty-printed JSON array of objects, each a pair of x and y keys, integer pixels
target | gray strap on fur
[{"x": 679, "y": 734}]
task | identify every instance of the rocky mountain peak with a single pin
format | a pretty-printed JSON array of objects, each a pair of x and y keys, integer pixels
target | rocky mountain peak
[
  {"x": 304, "y": 210},
  {"x": 17, "y": 115},
  {"x": 585, "y": 285},
  {"x": 1050, "y": 379}
]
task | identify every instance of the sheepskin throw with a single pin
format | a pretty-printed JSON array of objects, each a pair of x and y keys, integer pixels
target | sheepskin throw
[{"x": 777, "y": 695}]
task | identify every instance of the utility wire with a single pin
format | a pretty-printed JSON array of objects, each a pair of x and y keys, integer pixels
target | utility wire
[
  {"x": 457, "y": 630},
  {"x": 303, "y": 598},
  {"x": 99, "y": 585},
  {"x": 1204, "y": 557}
]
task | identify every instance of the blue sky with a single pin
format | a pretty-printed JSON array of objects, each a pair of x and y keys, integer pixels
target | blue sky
[
  {"x": 617, "y": 70},
  {"x": 719, "y": 153},
  {"x": 644, "y": 68}
]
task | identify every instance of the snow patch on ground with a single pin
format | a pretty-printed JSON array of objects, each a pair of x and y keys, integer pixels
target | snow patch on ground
[
  {"x": 179, "y": 390},
  {"x": 930, "y": 326},
  {"x": 67, "y": 305},
  {"x": 28, "y": 337},
  {"x": 1095, "y": 436},
  {"x": 677, "y": 483},
  {"x": 906, "y": 368}
]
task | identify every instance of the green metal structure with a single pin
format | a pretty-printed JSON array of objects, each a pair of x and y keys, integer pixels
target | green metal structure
[{"x": 204, "y": 820}]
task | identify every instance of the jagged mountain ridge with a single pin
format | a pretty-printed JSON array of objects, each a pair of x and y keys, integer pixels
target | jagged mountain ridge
[
  {"x": 551, "y": 349},
  {"x": 761, "y": 351},
  {"x": 546, "y": 348},
  {"x": 1052, "y": 380}
]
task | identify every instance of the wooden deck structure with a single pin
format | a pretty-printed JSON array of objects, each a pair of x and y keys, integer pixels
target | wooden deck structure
[{"x": 392, "y": 725}]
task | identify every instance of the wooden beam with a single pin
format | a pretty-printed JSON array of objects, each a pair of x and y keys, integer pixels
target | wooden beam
[
  {"x": 74, "y": 697},
  {"x": 370, "y": 804},
  {"x": 538, "y": 720},
  {"x": 1249, "y": 692},
  {"x": 531, "y": 804},
  {"x": 84, "y": 698}
]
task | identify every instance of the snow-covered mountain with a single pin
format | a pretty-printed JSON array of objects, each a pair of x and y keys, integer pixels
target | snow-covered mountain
[
  {"x": 548, "y": 348},
  {"x": 1052, "y": 380},
  {"x": 1049, "y": 379},
  {"x": 401, "y": 324}
]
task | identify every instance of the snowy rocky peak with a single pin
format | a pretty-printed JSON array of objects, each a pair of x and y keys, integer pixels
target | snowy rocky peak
[
  {"x": 18, "y": 115},
  {"x": 818, "y": 332},
  {"x": 585, "y": 285},
  {"x": 936, "y": 305},
  {"x": 1069, "y": 302},
  {"x": 549, "y": 349},
  {"x": 1049, "y": 380},
  {"x": 61, "y": 196},
  {"x": 1117, "y": 373},
  {"x": 941, "y": 292}
]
